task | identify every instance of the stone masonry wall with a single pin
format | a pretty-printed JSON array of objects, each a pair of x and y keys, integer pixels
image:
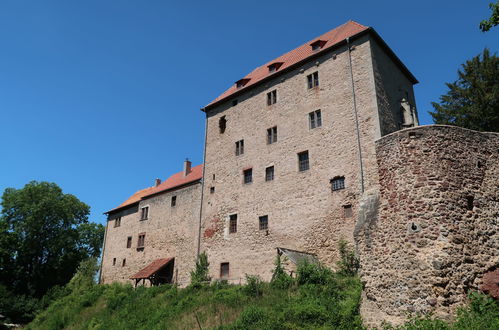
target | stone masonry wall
[
  {"x": 304, "y": 214},
  {"x": 431, "y": 234},
  {"x": 170, "y": 232}
]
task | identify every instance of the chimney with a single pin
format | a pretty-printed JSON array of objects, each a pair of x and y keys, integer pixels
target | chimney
[
  {"x": 157, "y": 182},
  {"x": 187, "y": 166}
]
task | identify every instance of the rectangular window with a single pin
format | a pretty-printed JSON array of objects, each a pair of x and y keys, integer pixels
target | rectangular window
[
  {"x": 144, "y": 213},
  {"x": 129, "y": 242},
  {"x": 117, "y": 222},
  {"x": 272, "y": 97},
  {"x": 233, "y": 223},
  {"x": 141, "y": 241},
  {"x": 264, "y": 222},
  {"x": 212, "y": 190},
  {"x": 224, "y": 270},
  {"x": 239, "y": 147},
  {"x": 248, "y": 175},
  {"x": 272, "y": 135},
  {"x": 123, "y": 264},
  {"x": 174, "y": 201},
  {"x": 338, "y": 183},
  {"x": 222, "y": 124},
  {"x": 313, "y": 80},
  {"x": 315, "y": 119},
  {"x": 114, "y": 261},
  {"x": 347, "y": 211},
  {"x": 303, "y": 161},
  {"x": 269, "y": 173}
]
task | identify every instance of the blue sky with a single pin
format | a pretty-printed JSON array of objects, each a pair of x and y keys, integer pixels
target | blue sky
[{"x": 101, "y": 97}]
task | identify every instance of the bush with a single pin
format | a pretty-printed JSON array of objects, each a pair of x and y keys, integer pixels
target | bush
[
  {"x": 254, "y": 285},
  {"x": 280, "y": 280},
  {"x": 349, "y": 264},
  {"x": 200, "y": 275},
  {"x": 309, "y": 273}
]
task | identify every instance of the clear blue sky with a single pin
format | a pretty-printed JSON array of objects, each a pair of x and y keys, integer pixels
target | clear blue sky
[{"x": 103, "y": 96}]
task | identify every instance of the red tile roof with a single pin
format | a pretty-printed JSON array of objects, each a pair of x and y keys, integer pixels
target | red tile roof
[
  {"x": 152, "y": 268},
  {"x": 174, "y": 181},
  {"x": 299, "y": 54}
]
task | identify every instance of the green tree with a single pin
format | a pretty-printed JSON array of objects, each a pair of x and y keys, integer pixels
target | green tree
[
  {"x": 473, "y": 99},
  {"x": 493, "y": 20},
  {"x": 44, "y": 235},
  {"x": 200, "y": 274}
]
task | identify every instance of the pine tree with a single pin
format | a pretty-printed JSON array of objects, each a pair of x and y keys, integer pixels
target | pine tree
[{"x": 473, "y": 99}]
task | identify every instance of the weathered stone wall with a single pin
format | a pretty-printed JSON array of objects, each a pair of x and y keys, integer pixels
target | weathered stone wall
[
  {"x": 170, "y": 232},
  {"x": 304, "y": 214},
  {"x": 431, "y": 234}
]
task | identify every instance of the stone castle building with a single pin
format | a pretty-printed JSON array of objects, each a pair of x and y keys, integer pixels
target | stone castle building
[{"x": 315, "y": 146}]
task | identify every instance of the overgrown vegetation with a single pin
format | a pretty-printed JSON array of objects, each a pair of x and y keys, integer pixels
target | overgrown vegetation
[
  {"x": 317, "y": 299},
  {"x": 200, "y": 274}
]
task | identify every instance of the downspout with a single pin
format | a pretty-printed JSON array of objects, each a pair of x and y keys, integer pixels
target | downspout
[
  {"x": 356, "y": 118},
  {"x": 103, "y": 249},
  {"x": 202, "y": 186}
]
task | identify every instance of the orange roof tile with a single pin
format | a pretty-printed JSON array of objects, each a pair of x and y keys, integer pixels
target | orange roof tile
[
  {"x": 152, "y": 268},
  {"x": 299, "y": 54},
  {"x": 174, "y": 181}
]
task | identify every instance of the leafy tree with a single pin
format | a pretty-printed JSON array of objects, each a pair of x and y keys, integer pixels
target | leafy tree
[
  {"x": 200, "y": 275},
  {"x": 493, "y": 20},
  {"x": 473, "y": 100},
  {"x": 44, "y": 235},
  {"x": 349, "y": 264}
]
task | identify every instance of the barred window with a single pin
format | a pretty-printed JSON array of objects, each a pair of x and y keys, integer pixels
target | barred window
[
  {"x": 239, "y": 147},
  {"x": 117, "y": 222},
  {"x": 233, "y": 223},
  {"x": 313, "y": 80},
  {"x": 272, "y": 135},
  {"x": 264, "y": 222},
  {"x": 269, "y": 173},
  {"x": 338, "y": 183},
  {"x": 272, "y": 97},
  {"x": 141, "y": 241},
  {"x": 144, "y": 213},
  {"x": 315, "y": 119},
  {"x": 303, "y": 161},
  {"x": 248, "y": 175},
  {"x": 129, "y": 242},
  {"x": 174, "y": 201}
]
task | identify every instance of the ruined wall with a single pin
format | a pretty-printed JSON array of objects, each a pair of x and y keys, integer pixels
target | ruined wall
[
  {"x": 304, "y": 214},
  {"x": 431, "y": 233},
  {"x": 170, "y": 232}
]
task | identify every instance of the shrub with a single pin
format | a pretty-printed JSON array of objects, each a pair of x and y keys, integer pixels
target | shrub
[
  {"x": 311, "y": 273},
  {"x": 200, "y": 275},
  {"x": 349, "y": 264},
  {"x": 280, "y": 279},
  {"x": 254, "y": 285}
]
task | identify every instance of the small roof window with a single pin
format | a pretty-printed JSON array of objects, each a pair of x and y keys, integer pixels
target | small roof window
[
  {"x": 275, "y": 66},
  {"x": 242, "y": 82},
  {"x": 318, "y": 44}
]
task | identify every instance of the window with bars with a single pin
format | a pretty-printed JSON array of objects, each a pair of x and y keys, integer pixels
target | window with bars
[
  {"x": 315, "y": 119},
  {"x": 239, "y": 147},
  {"x": 129, "y": 242},
  {"x": 224, "y": 270},
  {"x": 174, "y": 201},
  {"x": 303, "y": 161},
  {"x": 248, "y": 175},
  {"x": 264, "y": 222},
  {"x": 117, "y": 222},
  {"x": 272, "y": 135},
  {"x": 313, "y": 80},
  {"x": 347, "y": 211},
  {"x": 233, "y": 223},
  {"x": 141, "y": 241},
  {"x": 338, "y": 183},
  {"x": 272, "y": 97},
  {"x": 269, "y": 173},
  {"x": 144, "y": 213}
]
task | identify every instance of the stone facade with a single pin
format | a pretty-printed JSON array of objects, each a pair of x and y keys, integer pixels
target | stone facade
[
  {"x": 304, "y": 214},
  {"x": 430, "y": 234}
]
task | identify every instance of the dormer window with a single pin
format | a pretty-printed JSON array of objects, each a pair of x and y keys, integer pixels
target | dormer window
[
  {"x": 242, "y": 82},
  {"x": 274, "y": 66},
  {"x": 316, "y": 45}
]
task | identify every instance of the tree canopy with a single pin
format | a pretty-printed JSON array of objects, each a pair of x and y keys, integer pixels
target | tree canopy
[
  {"x": 472, "y": 101},
  {"x": 44, "y": 235},
  {"x": 493, "y": 20}
]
